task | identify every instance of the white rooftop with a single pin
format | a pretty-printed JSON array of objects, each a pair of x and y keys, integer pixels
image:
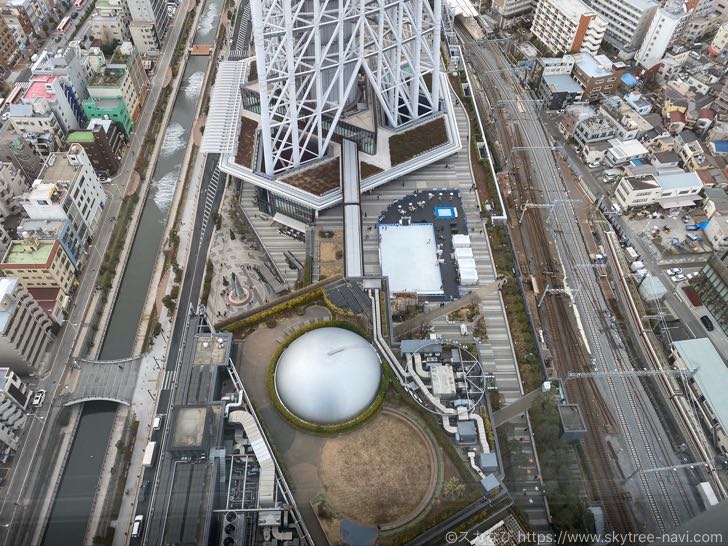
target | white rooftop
[
  {"x": 223, "y": 117},
  {"x": 408, "y": 255},
  {"x": 680, "y": 180},
  {"x": 573, "y": 8},
  {"x": 711, "y": 373}
]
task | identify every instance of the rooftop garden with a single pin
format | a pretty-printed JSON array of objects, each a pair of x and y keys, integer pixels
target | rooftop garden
[
  {"x": 319, "y": 179},
  {"x": 410, "y": 144}
]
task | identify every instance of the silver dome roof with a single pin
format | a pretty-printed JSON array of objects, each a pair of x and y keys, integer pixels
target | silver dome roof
[{"x": 328, "y": 376}]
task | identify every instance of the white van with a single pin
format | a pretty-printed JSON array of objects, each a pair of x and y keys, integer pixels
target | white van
[
  {"x": 136, "y": 529},
  {"x": 157, "y": 422}
]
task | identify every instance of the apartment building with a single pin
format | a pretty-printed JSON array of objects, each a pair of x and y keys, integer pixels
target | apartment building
[
  {"x": 38, "y": 125},
  {"x": 624, "y": 152},
  {"x": 720, "y": 41},
  {"x": 627, "y": 21},
  {"x": 12, "y": 184},
  {"x": 594, "y": 129},
  {"x": 689, "y": 150},
  {"x": 25, "y": 331},
  {"x": 14, "y": 401},
  {"x": 598, "y": 75},
  {"x": 510, "y": 11},
  {"x": 712, "y": 285},
  {"x": 110, "y": 21},
  {"x": 9, "y": 51},
  {"x": 68, "y": 189},
  {"x": 568, "y": 26},
  {"x": 664, "y": 30}
]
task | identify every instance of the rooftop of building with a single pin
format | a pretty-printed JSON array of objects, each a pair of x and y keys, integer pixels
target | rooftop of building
[
  {"x": 38, "y": 88},
  {"x": 46, "y": 298},
  {"x": 680, "y": 181},
  {"x": 212, "y": 349},
  {"x": 59, "y": 168},
  {"x": 573, "y": 8},
  {"x": 105, "y": 103},
  {"x": 571, "y": 418},
  {"x": 80, "y": 136},
  {"x": 687, "y": 137},
  {"x": 711, "y": 373},
  {"x": 667, "y": 157},
  {"x": 562, "y": 83},
  {"x": 109, "y": 77},
  {"x": 721, "y": 146},
  {"x": 598, "y": 66},
  {"x": 105, "y": 123},
  {"x": 631, "y": 147},
  {"x": 642, "y": 182},
  {"x": 597, "y": 123},
  {"x": 7, "y": 287},
  {"x": 19, "y": 253}
]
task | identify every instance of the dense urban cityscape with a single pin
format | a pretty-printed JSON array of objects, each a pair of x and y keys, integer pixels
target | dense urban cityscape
[{"x": 393, "y": 272}]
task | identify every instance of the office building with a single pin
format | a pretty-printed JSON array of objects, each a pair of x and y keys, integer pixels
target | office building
[
  {"x": 149, "y": 20},
  {"x": 38, "y": 125},
  {"x": 627, "y": 21},
  {"x": 25, "y": 330},
  {"x": 598, "y": 75},
  {"x": 720, "y": 41},
  {"x": 667, "y": 190},
  {"x": 102, "y": 142},
  {"x": 68, "y": 65},
  {"x": 664, "y": 30},
  {"x": 568, "y": 26},
  {"x": 52, "y": 91}
]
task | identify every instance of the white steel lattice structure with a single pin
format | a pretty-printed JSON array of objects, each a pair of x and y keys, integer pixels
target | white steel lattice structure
[{"x": 315, "y": 57}]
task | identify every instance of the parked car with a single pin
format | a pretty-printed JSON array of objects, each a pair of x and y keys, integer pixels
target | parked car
[
  {"x": 58, "y": 38},
  {"x": 705, "y": 319},
  {"x": 674, "y": 271},
  {"x": 39, "y": 398},
  {"x": 75, "y": 15},
  {"x": 678, "y": 278},
  {"x": 6, "y": 116},
  {"x": 593, "y": 165},
  {"x": 693, "y": 274}
]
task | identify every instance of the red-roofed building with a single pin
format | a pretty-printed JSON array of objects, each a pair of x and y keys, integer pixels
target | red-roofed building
[
  {"x": 50, "y": 300},
  {"x": 676, "y": 121},
  {"x": 705, "y": 120},
  {"x": 51, "y": 90},
  {"x": 707, "y": 178}
]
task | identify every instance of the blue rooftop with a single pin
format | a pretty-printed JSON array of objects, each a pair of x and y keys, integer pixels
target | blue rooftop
[
  {"x": 721, "y": 146},
  {"x": 628, "y": 79}
]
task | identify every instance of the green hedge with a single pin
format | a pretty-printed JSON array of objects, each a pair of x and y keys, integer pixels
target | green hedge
[
  {"x": 373, "y": 408},
  {"x": 256, "y": 319}
]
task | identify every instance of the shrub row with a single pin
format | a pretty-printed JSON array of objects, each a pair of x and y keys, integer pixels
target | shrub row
[
  {"x": 282, "y": 307},
  {"x": 360, "y": 419}
]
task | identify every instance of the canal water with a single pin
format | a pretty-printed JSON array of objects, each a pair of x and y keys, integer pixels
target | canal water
[{"x": 72, "y": 506}]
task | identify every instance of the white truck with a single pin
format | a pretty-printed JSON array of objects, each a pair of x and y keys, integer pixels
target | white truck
[
  {"x": 149, "y": 454},
  {"x": 705, "y": 490},
  {"x": 636, "y": 266}
]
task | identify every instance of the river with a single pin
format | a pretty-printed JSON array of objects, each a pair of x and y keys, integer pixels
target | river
[{"x": 72, "y": 505}]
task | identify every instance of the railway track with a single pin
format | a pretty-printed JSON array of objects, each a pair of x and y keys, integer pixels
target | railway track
[{"x": 639, "y": 432}]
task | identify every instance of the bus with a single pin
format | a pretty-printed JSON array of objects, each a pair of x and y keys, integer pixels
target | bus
[
  {"x": 63, "y": 25},
  {"x": 78, "y": 4}
]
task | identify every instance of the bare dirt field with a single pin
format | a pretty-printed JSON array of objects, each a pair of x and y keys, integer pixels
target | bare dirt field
[{"x": 381, "y": 473}]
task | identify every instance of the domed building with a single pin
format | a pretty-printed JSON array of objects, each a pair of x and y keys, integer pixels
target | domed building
[{"x": 328, "y": 376}]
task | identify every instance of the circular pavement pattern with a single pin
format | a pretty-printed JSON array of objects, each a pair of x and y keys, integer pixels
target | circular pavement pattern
[
  {"x": 381, "y": 474},
  {"x": 328, "y": 376}
]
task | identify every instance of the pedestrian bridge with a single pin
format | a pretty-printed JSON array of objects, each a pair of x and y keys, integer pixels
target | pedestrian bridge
[{"x": 108, "y": 380}]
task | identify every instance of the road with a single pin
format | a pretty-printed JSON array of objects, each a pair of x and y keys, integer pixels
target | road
[
  {"x": 35, "y": 442},
  {"x": 160, "y": 475},
  {"x": 641, "y": 442}
]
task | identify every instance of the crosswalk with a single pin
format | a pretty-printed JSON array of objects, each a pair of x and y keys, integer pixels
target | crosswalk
[
  {"x": 168, "y": 380},
  {"x": 209, "y": 201}
]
